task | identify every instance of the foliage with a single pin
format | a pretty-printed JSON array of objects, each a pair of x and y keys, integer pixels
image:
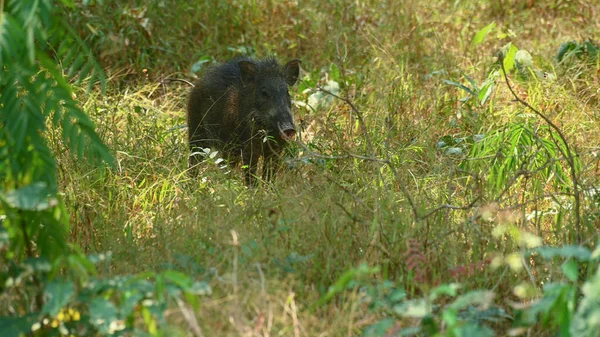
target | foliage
[
  {"x": 422, "y": 197},
  {"x": 79, "y": 303},
  {"x": 49, "y": 286},
  {"x": 560, "y": 307},
  {"x": 34, "y": 92},
  {"x": 462, "y": 315},
  {"x": 572, "y": 50}
]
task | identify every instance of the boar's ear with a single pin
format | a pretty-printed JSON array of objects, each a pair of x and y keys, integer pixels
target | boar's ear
[
  {"x": 248, "y": 71},
  {"x": 292, "y": 71}
]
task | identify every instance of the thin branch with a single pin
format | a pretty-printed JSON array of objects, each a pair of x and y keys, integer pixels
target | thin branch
[
  {"x": 569, "y": 155},
  {"x": 363, "y": 125},
  {"x": 312, "y": 154},
  {"x": 447, "y": 206},
  {"x": 168, "y": 80},
  {"x": 39, "y": 296}
]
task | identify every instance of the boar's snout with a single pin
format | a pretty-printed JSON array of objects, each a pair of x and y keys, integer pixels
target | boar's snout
[{"x": 287, "y": 131}]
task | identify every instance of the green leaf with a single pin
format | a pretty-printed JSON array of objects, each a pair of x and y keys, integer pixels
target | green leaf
[
  {"x": 102, "y": 314},
  {"x": 523, "y": 58},
  {"x": 509, "y": 58},
  {"x": 33, "y": 197},
  {"x": 481, "y": 298},
  {"x": 344, "y": 281},
  {"x": 180, "y": 279},
  {"x": 81, "y": 267},
  {"x": 485, "y": 92},
  {"x": 58, "y": 294},
  {"x": 200, "y": 288},
  {"x": 586, "y": 321},
  {"x": 571, "y": 270},
  {"x": 3, "y": 235},
  {"x": 474, "y": 330},
  {"x": 159, "y": 287},
  {"x": 461, "y": 86},
  {"x": 418, "y": 308},
  {"x": 580, "y": 253},
  {"x": 564, "y": 49},
  {"x": 482, "y": 33},
  {"x": 450, "y": 317},
  {"x": 444, "y": 289},
  {"x": 17, "y": 326},
  {"x": 129, "y": 301},
  {"x": 150, "y": 321},
  {"x": 38, "y": 264},
  {"x": 380, "y": 328},
  {"x": 592, "y": 50}
]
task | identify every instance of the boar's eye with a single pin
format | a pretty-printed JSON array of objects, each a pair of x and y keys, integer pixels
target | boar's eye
[{"x": 264, "y": 94}]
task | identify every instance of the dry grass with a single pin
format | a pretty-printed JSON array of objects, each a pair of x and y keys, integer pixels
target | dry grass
[{"x": 326, "y": 216}]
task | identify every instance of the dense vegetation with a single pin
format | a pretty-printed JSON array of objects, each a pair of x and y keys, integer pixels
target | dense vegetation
[{"x": 445, "y": 181}]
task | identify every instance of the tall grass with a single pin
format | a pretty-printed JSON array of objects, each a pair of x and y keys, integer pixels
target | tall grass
[{"x": 369, "y": 185}]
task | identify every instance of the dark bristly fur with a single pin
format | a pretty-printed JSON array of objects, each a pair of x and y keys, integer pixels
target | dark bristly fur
[{"x": 243, "y": 107}]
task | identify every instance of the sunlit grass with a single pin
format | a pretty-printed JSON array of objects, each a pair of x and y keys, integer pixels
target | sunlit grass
[{"x": 326, "y": 215}]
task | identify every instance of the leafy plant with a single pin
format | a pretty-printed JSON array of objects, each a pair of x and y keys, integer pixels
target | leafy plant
[
  {"x": 48, "y": 285},
  {"x": 573, "y": 50},
  {"x": 565, "y": 305},
  {"x": 517, "y": 149},
  {"x": 35, "y": 92},
  {"x": 464, "y": 314}
]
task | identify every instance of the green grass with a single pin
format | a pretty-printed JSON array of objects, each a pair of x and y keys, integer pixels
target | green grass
[{"x": 271, "y": 252}]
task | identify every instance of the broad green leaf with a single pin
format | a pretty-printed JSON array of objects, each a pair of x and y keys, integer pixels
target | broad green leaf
[
  {"x": 476, "y": 297},
  {"x": 200, "y": 288},
  {"x": 150, "y": 321},
  {"x": 81, "y": 266},
  {"x": 564, "y": 49},
  {"x": 595, "y": 253},
  {"x": 523, "y": 58},
  {"x": 474, "y": 330},
  {"x": 344, "y": 281},
  {"x": 178, "y": 278},
  {"x": 192, "y": 300},
  {"x": 482, "y": 33},
  {"x": 102, "y": 314},
  {"x": 39, "y": 264},
  {"x": 68, "y": 3},
  {"x": 592, "y": 49},
  {"x": 413, "y": 308},
  {"x": 453, "y": 151},
  {"x": 485, "y": 92},
  {"x": 159, "y": 285},
  {"x": 580, "y": 253},
  {"x": 17, "y": 326},
  {"x": 586, "y": 321},
  {"x": 450, "y": 317},
  {"x": 57, "y": 294},
  {"x": 380, "y": 328},
  {"x": 571, "y": 270},
  {"x": 33, "y": 197},
  {"x": 509, "y": 58},
  {"x": 3, "y": 235},
  {"x": 129, "y": 301},
  {"x": 444, "y": 289}
]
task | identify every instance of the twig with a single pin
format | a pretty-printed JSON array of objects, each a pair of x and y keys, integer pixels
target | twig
[
  {"x": 347, "y": 155},
  {"x": 189, "y": 317},
  {"x": 569, "y": 155},
  {"x": 167, "y": 80},
  {"x": 392, "y": 167},
  {"x": 447, "y": 206},
  {"x": 39, "y": 296},
  {"x": 363, "y": 125}
]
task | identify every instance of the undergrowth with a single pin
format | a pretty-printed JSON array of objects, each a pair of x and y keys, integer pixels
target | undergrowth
[{"x": 422, "y": 197}]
